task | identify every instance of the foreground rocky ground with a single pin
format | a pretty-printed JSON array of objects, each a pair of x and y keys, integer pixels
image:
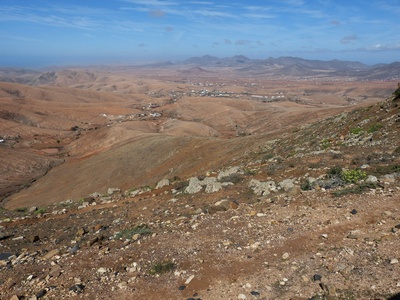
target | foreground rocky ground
[{"x": 313, "y": 215}]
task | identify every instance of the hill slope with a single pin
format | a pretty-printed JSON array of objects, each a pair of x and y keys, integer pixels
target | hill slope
[{"x": 308, "y": 214}]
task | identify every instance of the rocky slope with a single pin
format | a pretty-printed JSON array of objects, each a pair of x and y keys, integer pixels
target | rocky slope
[{"x": 312, "y": 214}]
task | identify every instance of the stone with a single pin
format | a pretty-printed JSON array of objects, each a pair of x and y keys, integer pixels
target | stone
[
  {"x": 228, "y": 172},
  {"x": 189, "y": 279},
  {"x": 162, "y": 183},
  {"x": 182, "y": 287},
  {"x": 216, "y": 208},
  {"x": 213, "y": 187},
  {"x": 92, "y": 241},
  {"x": 32, "y": 209},
  {"x": 353, "y": 212},
  {"x": 35, "y": 239},
  {"x": 242, "y": 296},
  {"x": 97, "y": 227},
  {"x": 317, "y": 277},
  {"x": 55, "y": 271},
  {"x": 14, "y": 297},
  {"x": 81, "y": 232},
  {"x": 41, "y": 293},
  {"x": 112, "y": 191},
  {"x": 135, "y": 237},
  {"x": 261, "y": 188},
  {"x": 285, "y": 256},
  {"x": 77, "y": 288},
  {"x": 194, "y": 186},
  {"x": 394, "y": 261},
  {"x": 74, "y": 249},
  {"x": 5, "y": 255},
  {"x": 371, "y": 179},
  {"x": 51, "y": 254},
  {"x": 224, "y": 203},
  {"x": 286, "y": 184},
  {"x": 255, "y": 293},
  {"x": 102, "y": 271}
]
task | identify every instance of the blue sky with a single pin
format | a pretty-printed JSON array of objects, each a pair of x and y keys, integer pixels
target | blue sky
[{"x": 37, "y": 33}]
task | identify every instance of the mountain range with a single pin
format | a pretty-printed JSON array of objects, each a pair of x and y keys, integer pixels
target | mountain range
[{"x": 281, "y": 67}]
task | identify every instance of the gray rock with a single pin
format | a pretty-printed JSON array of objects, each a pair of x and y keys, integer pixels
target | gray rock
[
  {"x": 261, "y": 188},
  {"x": 286, "y": 184},
  {"x": 32, "y": 209},
  {"x": 162, "y": 183},
  {"x": 213, "y": 187},
  {"x": 77, "y": 288},
  {"x": 112, "y": 191},
  {"x": 228, "y": 172},
  {"x": 194, "y": 186},
  {"x": 74, "y": 249},
  {"x": 371, "y": 179}
]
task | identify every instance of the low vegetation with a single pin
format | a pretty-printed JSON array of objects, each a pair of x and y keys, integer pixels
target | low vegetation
[
  {"x": 127, "y": 234},
  {"x": 162, "y": 267}
]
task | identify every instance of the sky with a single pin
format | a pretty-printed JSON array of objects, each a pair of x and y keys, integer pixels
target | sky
[{"x": 38, "y": 33}]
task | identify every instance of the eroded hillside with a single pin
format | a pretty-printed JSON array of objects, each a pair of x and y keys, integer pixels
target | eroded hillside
[
  {"x": 131, "y": 127},
  {"x": 306, "y": 213}
]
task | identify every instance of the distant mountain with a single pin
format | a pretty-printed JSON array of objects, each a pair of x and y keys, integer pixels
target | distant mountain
[
  {"x": 17, "y": 75},
  {"x": 194, "y": 71},
  {"x": 384, "y": 72},
  {"x": 213, "y": 61},
  {"x": 298, "y": 67}
]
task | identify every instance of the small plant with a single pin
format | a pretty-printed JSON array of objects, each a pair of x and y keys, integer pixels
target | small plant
[
  {"x": 383, "y": 170},
  {"x": 40, "y": 210},
  {"x": 355, "y": 130},
  {"x": 358, "y": 189},
  {"x": 127, "y": 234},
  {"x": 353, "y": 176},
  {"x": 325, "y": 143},
  {"x": 249, "y": 172},
  {"x": 374, "y": 127},
  {"x": 161, "y": 267},
  {"x": 335, "y": 171},
  {"x": 306, "y": 186}
]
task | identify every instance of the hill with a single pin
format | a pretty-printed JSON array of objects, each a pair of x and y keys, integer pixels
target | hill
[
  {"x": 132, "y": 186},
  {"x": 289, "y": 219}
]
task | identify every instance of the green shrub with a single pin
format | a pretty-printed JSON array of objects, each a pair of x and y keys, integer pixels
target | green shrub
[
  {"x": 335, "y": 171},
  {"x": 374, "y": 127},
  {"x": 353, "y": 176},
  {"x": 40, "y": 210},
  {"x": 128, "y": 233},
  {"x": 22, "y": 209},
  {"x": 161, "y": 267},
  {"x": 358, "y": 189},
  {"x": 355, "y": 130},
  {"x": 325, "y": 144},
  {"x": 306, "y": 186}
]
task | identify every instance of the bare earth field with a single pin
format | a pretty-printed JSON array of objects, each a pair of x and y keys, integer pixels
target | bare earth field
[{"x": 281, "y": 188}]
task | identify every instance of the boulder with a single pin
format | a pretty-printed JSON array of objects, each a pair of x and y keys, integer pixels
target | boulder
[
  {"x": 194, "y": 186},
  {"x": 162, "y": 183},
  {"x": 228, "y": 172},
  {"x": 261, "y": 188}
]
